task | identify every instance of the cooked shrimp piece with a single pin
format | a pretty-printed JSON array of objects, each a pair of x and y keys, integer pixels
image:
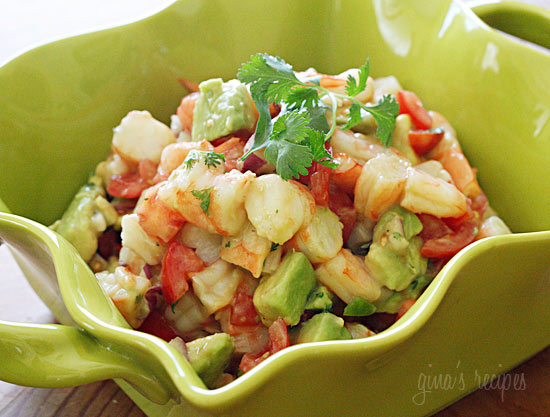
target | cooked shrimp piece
[
  {"x": 380, "y": 185},
  {"x": 321, "y": 239},
  {"x": 207, "y": 197},
  {"x": 426, "y": 194},
  {"x": 140, "y": 136},
  {"x": 156, "y": 218},
  {"x": 449, "y": 137},
  {"x": 127, "y": 291},
  {"x": 386, "y": 85},
  {"x": 347, "y": 276},
  {"x": 188, "y": 316},
  {"x": 346, "y": 174},
  {"x": 113, "y": 165},
  {"x": 278, "y": 208},
  {"x": 215, "y": 285},
  {"x": 359, "y": 147},
  {"x": 186, "y": 109},
  {"x": 464, "y": 176},
  {"x": 247, "y": 250},
  {"x": 492, "y": 226},
  {"x": 206, "y": 244},
  {"x": 134, "y": 237},
  {"x": 174, "y": 155},
  {"x": 435, "y": 169}
]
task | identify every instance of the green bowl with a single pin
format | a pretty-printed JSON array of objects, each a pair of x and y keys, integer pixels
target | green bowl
[{"x": 488, "y": 309}]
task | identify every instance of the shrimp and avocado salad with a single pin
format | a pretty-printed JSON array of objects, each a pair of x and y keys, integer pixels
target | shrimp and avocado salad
[{"x": 279, "y": 208}]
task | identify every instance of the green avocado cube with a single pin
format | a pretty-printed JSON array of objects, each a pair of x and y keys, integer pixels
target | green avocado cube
[
  {"x": 285, "y": 292},
  {"x": 320, "y": 299},
  {"x": 209, "y": 356},
  {"x": 319, "y": 328},
  {"x": 221, "y": 109}
]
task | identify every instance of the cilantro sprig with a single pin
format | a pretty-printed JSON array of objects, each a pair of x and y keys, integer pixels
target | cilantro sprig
[
  {"x": 211, "y": 159},
  {"x": 296, "y": 137}
]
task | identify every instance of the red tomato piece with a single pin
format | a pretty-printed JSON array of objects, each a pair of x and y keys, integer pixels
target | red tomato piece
[
  {"x": 129, "y": 185},
  {"x": 319, "y": 181},
  {"x": 157, "y": 325},
  {"x": 432, "y": 227},
  {"x": 243, "y": 312},
  {"x": 278, "y": 336},
  {"x": 177, "y": 263},
  {"x": 410, "y": 104},
  {"x": 341, "y": 205},
  {"x": 423, "y": 141},
  {"x": 451, "y": 243},
  {"x": 250, "y": 360}
]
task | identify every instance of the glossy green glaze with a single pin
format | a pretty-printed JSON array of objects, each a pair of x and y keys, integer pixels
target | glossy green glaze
[{"x": 486, "y": 311}]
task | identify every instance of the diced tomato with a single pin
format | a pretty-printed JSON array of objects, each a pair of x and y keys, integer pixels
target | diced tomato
[
  {"x": 432, "y": 227},
  {"x": 407, "y": 304},
  {"x": 158, "y": 219},
  {"x": 320, "y": 185},
  {"x": 243, "y": 312},
  {"x": 341, "y": 205},
  {"x": 410, "y": 104},
  {"x": 109, "y": 243},
  {"x": 177, "y": 263},
  {"x": 278, "y": 336},
  {"x": 423, "y": 141},
  {"x": 157, "y": 325},
  {"x": 278, "y": 340},
  {"x": 127, "y": 186},
  {"x": 451, "y": 243}
]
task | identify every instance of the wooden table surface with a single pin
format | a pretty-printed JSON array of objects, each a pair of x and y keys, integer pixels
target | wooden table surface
[{"x": 27, "y": 22}]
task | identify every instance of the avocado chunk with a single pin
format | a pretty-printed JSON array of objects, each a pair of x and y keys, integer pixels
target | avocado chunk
[
  {"x": 209, "y": 356},
  {"x": 394, "y": 256},
  {"x": 320, "y": 299},
  {"x": 319, "y": 328},
  {"x": 391, "y": 301},
  {"x": 285, "y": 292},
  {"x": 85, "y": 219},
  {"x": 221, "y": 109}
]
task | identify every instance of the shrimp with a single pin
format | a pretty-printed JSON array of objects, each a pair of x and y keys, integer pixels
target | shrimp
[
  {"x": 347, "y": 276},
  {"x": 174, "y": 155},
  {"x": 380, "y": 185},
  {"x": 140, "y": 136},
  {"x": 449, "y": 137},
  {"x": 426, "y": 194},
  {"x": 278, "y": 208},
  {"x": 186, "y": 109},
  {"x": 346, "y": 174},
  {"x": 464, "y": 176},
  {"x": 247, "y": 250},
  {"x": 134, "y": 237},
  {"x": 359, "y": 147},
  {"x": 492, "y": 226}
]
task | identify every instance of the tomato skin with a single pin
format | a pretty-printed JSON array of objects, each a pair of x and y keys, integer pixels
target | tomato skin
[
  {"x": 177, "y": 263},
  {"x": 423, "y": 141},
  {"x": 410, "y": 104},
  {"x": 432, "y": 227},
  {"x": 451, "y": 243},
  {"x": 407, "y": 304},
  {"x": 341, "y": 205},
  {"x": 278, "y": 340},
  {"x": 320, "y": 185},
  {"x": 243, "y": 312},
  {"x": 157, "y": 325}
]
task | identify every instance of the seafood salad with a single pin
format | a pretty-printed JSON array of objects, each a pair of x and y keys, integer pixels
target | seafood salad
[{"x": 278, "y": 208}]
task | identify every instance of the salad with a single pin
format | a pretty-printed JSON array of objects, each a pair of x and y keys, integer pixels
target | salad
[{"x": 279, "y": 208}]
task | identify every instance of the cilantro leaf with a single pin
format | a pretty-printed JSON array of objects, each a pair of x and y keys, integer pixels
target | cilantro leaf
[
  {"x": 316, "y": 142},
  {"x": 213, "y": 159},
  {"x": 354, "y": 116},
  {"x": 300, "y": 97},
  {"x": 204, "y": 197},
  {"x": 353, "y": 86},
  {"x": 264, "y": 126},
  {"x": 269, "y": 77},
  {"x": 318, "y": 116},
  {"x": 384, "y": 113},
  {"x": 290, "y": 159},
  {"x": 291, "y": 126}
]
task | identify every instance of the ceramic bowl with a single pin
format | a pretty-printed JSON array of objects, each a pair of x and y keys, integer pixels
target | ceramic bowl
[{"x": 487, "y": 310}]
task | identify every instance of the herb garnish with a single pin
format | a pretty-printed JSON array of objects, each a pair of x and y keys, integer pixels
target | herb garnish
[
  {"x": 211, "y": 159},
  {"x": 204, "y": 196},
  {"x": 296, "y": 137}
]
